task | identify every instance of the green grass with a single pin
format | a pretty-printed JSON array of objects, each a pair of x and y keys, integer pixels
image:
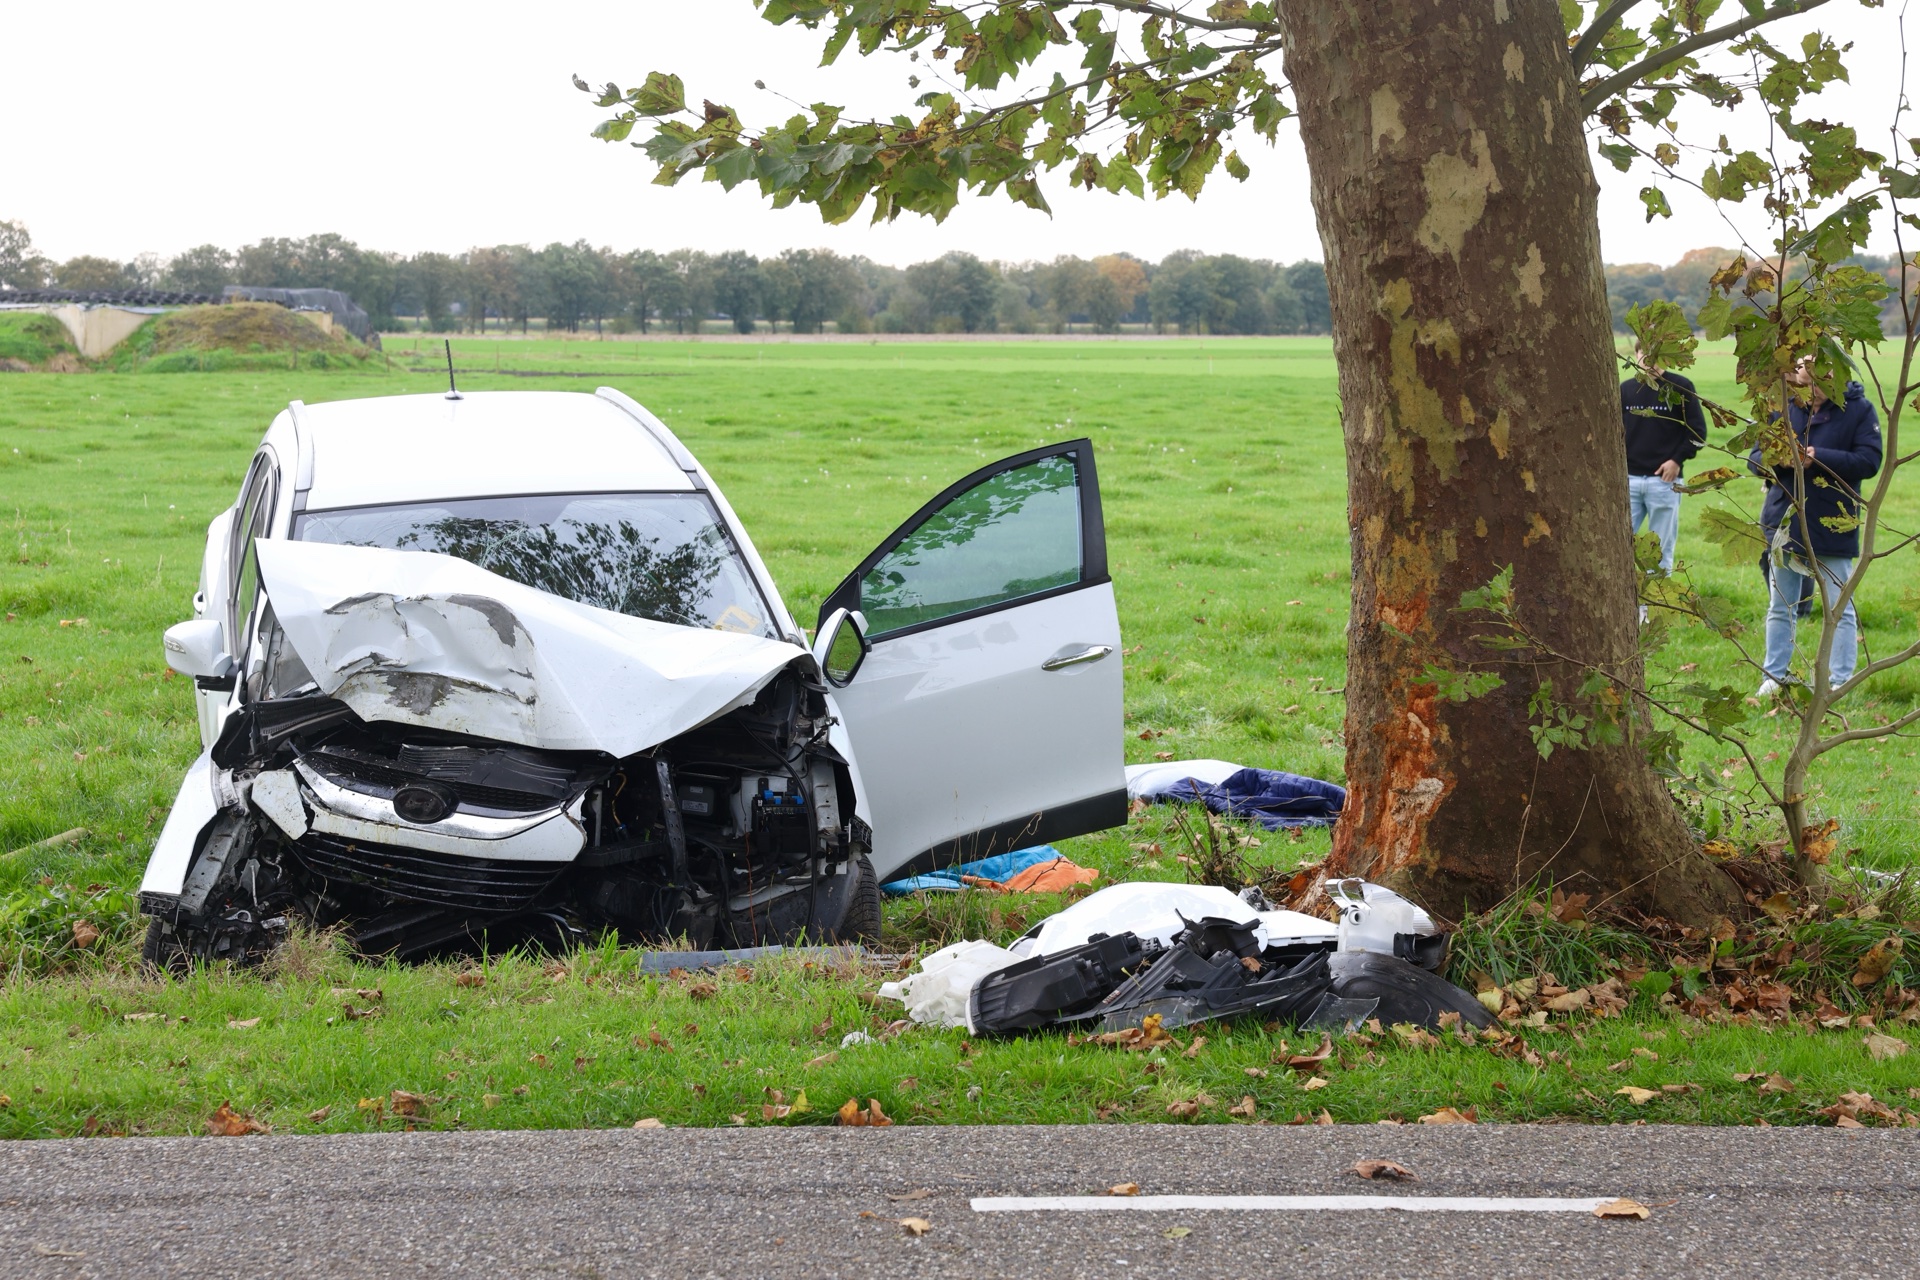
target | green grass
[
  {"x": 31, "y": 338},
  {"x": 1222, "y": 475}
]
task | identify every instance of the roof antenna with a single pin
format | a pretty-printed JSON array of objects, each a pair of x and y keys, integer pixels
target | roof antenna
[{"x": 453, "y": 392}]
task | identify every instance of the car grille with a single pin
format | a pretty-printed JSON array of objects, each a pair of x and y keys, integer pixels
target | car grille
[
  {"x": 416, "y": 875},
  {"x": 348, "y": 771}
]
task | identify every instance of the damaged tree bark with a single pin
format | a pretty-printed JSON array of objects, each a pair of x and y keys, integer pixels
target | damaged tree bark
[{"x": 1458, "y": 212}]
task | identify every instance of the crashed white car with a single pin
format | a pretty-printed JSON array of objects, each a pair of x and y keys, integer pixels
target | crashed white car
[{"x": 504, "y": 667}]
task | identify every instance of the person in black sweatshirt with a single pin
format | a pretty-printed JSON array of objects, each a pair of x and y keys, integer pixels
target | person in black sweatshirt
[{"x": 1664, "y": 427}]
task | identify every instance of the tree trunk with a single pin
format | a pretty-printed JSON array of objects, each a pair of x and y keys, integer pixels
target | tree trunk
[{"x": 1458, "y": 212}]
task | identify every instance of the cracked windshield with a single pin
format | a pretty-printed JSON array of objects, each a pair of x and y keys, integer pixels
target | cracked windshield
[{"x": 661, "y": 556}]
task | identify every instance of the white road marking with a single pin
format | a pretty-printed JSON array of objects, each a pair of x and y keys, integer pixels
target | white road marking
[{"x": 1405, "y": 1204}]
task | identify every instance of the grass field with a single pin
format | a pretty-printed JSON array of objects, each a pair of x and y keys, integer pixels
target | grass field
[{"x": 1222, "y": 474}]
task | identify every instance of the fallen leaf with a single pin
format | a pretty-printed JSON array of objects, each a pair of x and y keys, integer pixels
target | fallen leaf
[
  {"x": 1571, "y": 1002},
  {"x": 649, "y": 1122},
  {"x": 1641, "y": 1051},
  {"x": 824, "y": 1059},
  {"x": 1780, "y": 906},
  {"x": 407, "y": 1104},
  {"x": 915, "y": 1226},
  {"x": 321, "y": 1114},
  {"x": 1193, "y": 1050},
  {"x": 1622, "y": 1208},
  {"x": 1680, "y": 1088},
  {"x": 1621, "y": 1065},
  {"x": 241, "y": 1024},
  {"x": 1637, "y": 1096},
  {"x": 850, "y": 1114},
  {"x": 1185, "y": 1110},
  {"x": 490, "y": 1100},
  {"x": 1391, "y": 1171},
  {"x": 521, "y": 1090},
  {"x": 1257, "y": 1073},
  {"x": 84, "y": 933},
  {"x": 1244, "y": 1109},
  {"x": 1177, "y": 1233},
  {"x": 1325, "y": 1119},
  {"x": 1878, "y": 962},
  {"x": 1447, "y": 1115},
  {"x": 1493, "y": 999},
  {"x": 703, "y": 991},
  {"x": 1315, "y": 1082},
  {"x": 143, "y": 1017},
  {"x": 918, "y": 1193},
  {"x": 1163, "y": 755},
  {"x": 1881, "y": 1046},
  {"x": 225, "y": 1122},
  {"x": 1847, "y": 1122},
  {"x": 1148, "y": 1035},
  {"x": 471, "y": 978},
  {"x": 1124, "y": 1189},
  {"x": 1310, "y": 1062}
]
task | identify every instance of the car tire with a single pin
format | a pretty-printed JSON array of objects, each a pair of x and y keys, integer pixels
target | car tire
[
  {"x": 164, "y": 951},
  {"x": 861, "y": 921}
]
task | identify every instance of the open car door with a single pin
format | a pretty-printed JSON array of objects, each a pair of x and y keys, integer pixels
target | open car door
[{"x": 986, "y": 714}]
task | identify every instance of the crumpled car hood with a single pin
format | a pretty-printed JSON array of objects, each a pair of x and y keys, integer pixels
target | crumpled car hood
[{"x": 418, "y": 638}]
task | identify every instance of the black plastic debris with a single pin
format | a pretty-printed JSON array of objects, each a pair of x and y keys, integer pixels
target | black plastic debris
[
  {"x": 1044, "y": 989},
  {"x": 1405, "y": 993},
  {"x": 1215, "y": 968}
]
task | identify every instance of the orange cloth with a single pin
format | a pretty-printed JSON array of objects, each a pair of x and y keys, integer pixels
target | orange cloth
[{"x": 1054, "y": 876}]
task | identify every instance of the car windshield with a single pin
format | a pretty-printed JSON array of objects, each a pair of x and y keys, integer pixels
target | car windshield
[{"x": 663, "y": 556}]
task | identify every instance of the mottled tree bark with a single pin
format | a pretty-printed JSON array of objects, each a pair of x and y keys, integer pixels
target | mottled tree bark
[{"x": 1458, "y": 211}]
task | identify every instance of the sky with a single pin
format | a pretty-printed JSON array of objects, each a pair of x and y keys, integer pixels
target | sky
[{"x": 441, "y": 126}]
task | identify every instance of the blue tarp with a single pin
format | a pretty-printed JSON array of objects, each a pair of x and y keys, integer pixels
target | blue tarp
[
  {"x": 1267, "y": 796},
  {"x": 1001, "y": 867}
]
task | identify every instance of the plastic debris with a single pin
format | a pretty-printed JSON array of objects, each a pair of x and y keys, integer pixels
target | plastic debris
[
  {"x": 1168, "y": 955},
  {"x": 1040, "y": 869}
]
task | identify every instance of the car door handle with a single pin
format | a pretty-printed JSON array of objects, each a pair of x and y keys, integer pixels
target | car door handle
[{"x": 1074, "y": 657}]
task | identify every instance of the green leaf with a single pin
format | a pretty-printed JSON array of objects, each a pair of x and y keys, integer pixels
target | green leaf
[
  {"x": 1737, "y": 536},
  {"x": 733, "y": 168},
  {"x": 1237, "y": 167},
  {"x": 1656, "y": 202},
  {"x": 661, "y": 95}
]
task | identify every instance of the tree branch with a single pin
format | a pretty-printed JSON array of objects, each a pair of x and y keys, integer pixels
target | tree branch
[
  {"x": 1825, "y": 745},
  {"x": 1592, "y": 99},
  {"x": 1176, "y": 15},
  {"x": 1606, "y": 20}
]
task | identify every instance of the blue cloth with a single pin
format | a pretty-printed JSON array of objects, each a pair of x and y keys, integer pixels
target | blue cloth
[
  {"x": 1268, "y": 796},
  {"x": 1000, "y": 867}
]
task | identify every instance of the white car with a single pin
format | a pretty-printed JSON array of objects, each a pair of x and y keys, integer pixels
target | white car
[{"x": 481, "y": 669}]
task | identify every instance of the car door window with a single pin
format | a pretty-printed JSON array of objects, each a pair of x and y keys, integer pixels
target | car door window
[
  {"x": 256, "y": 511},
  {"x": 1012, "y": 535}
]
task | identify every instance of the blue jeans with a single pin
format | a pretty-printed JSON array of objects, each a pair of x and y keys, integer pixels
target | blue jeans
[
  {"x": 1656, "y": 503},
  {"x": 1785, "y": 589}
]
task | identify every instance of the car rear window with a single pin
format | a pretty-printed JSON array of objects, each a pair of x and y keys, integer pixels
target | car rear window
[{"x": 663, "y": 556}]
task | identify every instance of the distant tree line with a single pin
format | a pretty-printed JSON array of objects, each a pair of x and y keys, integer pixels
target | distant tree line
[
  {"x": 577, "y": 286},
  {"x": 1685, "y": 282}
]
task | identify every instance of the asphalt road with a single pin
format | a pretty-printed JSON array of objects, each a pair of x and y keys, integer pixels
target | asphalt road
[{"x": 788, "y": 1203}]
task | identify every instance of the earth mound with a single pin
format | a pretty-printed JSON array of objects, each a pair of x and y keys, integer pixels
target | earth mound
[
  {"x": 238, "y": 335},
  {"x": 30, "y": 342}
]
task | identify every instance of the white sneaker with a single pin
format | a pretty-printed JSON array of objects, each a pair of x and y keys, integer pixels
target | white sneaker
[{"x": 1769, "y": 688}]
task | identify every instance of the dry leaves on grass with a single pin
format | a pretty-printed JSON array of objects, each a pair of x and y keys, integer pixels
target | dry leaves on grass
[
  {"x": 1448, "y": 1115},
  {"x": 1309, "y": 1063},
  {"x": 1637, "y": 1096},
  {"x": 778, "y": 1108},
  {"x": 242, "y": 1024},
  {"x": 830, "y": 1056},
  {"x": 1193, "y": 1050},
  {"x": 1148, "y": 1035},
  {"x": 1877, "y": 963},
  {"x": 403, "y": 1103},
  {"x": 84, "y": 933},
  {"x": 1244, "y": 1108},
  {"x": 1849, "y": 1111},
  {"x": 225, "y": 1122},
  {"x": 1314, "y": 1082},
  {"x": 1384, "y": 1170},
  {"x": 851, "y": 1116},
  {"x": 471, "y": 978},
  {"x": 1622, "y": 1208},
  {"x": 1881, "y": 1047}
]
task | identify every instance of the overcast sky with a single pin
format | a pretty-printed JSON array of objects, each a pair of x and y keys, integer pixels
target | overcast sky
[{"x": 140, "y": 127}]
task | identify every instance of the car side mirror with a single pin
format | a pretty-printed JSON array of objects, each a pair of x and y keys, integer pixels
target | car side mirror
[
  {"x": 841, "y": 647},
  {"x": 196, "y": 649}
]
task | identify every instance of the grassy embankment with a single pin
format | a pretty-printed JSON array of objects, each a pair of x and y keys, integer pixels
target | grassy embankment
[{"x": 1221, "y": 469}]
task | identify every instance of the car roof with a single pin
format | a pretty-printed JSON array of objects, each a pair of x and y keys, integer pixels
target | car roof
[{"x": 426, "y": 447}]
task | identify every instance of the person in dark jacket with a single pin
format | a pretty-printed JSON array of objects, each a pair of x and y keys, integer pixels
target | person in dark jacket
[
  {"x": 1664, "y": 428},
  {"x": 1841, "y": 449}
]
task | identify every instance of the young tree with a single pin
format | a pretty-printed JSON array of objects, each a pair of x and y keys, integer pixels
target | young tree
[
  {"x": 736, "y": 288},
  {"x": 87, "y": 274}
]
